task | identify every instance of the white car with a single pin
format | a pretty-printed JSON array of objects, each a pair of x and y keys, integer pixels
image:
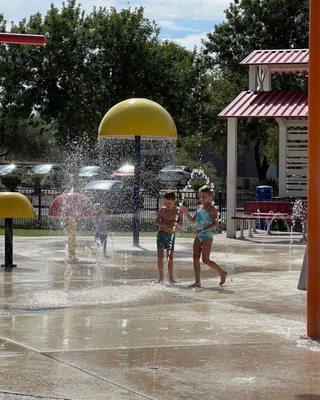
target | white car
[
  {"x": 90, "y": 171},
  {"x": 47, "y": 170},
  {"x": 175, "y": 174},
  {"x": 11, "y": 169}
]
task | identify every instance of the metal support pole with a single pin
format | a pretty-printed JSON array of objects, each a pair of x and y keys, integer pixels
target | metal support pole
[
  {"x": 136, "y": 193},
  {"x": 40, "y": 208},
  {"x": 313, "y": 227},
  {"x": 8, "y": 240}
]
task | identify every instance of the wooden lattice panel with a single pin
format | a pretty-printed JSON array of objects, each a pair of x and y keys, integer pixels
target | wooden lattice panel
[{"x": 297, "y": 161}]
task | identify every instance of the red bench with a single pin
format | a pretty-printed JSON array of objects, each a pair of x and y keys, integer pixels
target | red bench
[
  {"x": 263, "y": 210},
  {"x": 283, "y": 207}
]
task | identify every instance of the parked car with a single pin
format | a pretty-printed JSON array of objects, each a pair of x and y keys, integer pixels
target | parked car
[
  {"x": 11, "y": 169},
  {"x": 126, "y": 171},
  {"x": 115, "y": 195},
  {"x": 174, "y": 174},
  {"x": 90, "y": 172},
  {"x": 47, "y": 170}
]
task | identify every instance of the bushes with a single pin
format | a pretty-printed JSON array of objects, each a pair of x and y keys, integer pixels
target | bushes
[
  {"x": 11, "y": 181},
  {"x": 151, "y": 183}
]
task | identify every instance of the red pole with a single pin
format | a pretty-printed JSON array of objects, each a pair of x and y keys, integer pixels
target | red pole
[
  {"x": 313, "y": 274},
  {"x": 19, "y": 38}
]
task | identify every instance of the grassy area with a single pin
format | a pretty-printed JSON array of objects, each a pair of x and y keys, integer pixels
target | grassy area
[{"x": 48, "y": 232}]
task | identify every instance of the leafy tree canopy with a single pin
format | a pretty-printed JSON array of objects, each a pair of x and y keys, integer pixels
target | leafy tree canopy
[{"x": 251, "y": 25}]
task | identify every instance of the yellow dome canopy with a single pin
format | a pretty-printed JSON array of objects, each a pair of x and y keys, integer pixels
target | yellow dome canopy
[
  {"x": 138, "y": 117},
  {"x": 15, "y": 205}
]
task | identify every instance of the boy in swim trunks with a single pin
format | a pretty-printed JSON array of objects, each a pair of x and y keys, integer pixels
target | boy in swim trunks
[
  {"x": 169, "y": 218},
  {"x": 205, "y": 219}
]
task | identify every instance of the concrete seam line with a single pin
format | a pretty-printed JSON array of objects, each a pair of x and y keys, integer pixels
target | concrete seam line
[
  {"x": 34, "y": 396},
  {"x": 99, "y": 377},
  {"x": 74, "y": 366}
]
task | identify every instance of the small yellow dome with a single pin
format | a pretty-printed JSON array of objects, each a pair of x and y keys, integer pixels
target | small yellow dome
[
  {"x": 141, "y": 117},
  {"x": 15, "y": 205}
]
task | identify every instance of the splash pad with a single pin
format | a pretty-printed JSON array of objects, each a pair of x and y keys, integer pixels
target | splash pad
[{"x": 13, "y": 205}]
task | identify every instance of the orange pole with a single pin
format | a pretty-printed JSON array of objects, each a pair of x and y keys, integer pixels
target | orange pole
[{"x": 313, "y": 274}]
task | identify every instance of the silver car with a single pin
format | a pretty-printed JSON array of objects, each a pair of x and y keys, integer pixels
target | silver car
[
  {"x": 175, "y": 174},
  {"x": 47, "y": 170},
  {"x": 11, "y": 169},
  {"x": 115, "y": 195},
  {"x": 90, "y": 172}
]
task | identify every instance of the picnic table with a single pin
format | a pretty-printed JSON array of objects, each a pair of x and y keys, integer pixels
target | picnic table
[{"x": 268, "y": 211}]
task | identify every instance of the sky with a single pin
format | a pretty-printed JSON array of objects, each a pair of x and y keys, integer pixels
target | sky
[{"x": 184, "y": 21}]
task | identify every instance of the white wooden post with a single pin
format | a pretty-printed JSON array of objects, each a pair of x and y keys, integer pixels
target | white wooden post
[
  {"x": 282, "y": 158},
  {"x": 253, "y": 70},
  {"x": 232, "y": 176},
  {"x": 267, "y": 80}
]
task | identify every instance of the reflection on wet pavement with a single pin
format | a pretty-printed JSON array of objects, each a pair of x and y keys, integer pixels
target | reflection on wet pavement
[{"x": 102, "y": 329}]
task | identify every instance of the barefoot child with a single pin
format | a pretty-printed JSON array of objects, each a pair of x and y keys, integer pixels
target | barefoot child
[
  {"x": 100, "y": 225},
  {"x": 205, "y": 220},
  {"x": 168, "y": 219}
]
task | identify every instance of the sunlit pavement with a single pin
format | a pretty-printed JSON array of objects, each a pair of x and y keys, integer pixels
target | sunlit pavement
[{"x": 101, "y": 329}]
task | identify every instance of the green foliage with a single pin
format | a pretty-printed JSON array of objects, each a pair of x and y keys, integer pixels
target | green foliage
[
  {"x": 272, "y": 145},
  {"x": 57, "y": 94},
  {"x": 151, "y": 183},
  {"x": 11, "y": 181},
  {"x": 58, "y": 180},
  {"x": 37, "y": 181},
  {"x": 25, "y": 137},
  {"x": 91, "y": 62},
  {"x": 185, "y": 157},
  {"x": 258, "y": 24},
  {"x": 32, "y": 180},
  {"x": 251, "y": 25}
]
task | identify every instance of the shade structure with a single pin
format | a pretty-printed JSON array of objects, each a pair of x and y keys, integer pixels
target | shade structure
[
  {"x": 278, "y": 56},
  {"x": 15, "y": 205},
  {"x": 138, "y": 117},
  {"x": 275, "y": 104},
  {"x": 71, "y": 205},
  {"x": 19, "y": 38}
]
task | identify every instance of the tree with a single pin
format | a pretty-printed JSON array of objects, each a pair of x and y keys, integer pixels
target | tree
[
  {"x": 25, "y": 138},
  {"x": 250, "y": 25},
  {"x": 258, "y": 24},
  {"x": 90, "y": 63}
]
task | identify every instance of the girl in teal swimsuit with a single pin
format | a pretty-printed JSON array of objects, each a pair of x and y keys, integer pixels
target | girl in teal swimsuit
[{"x": 205, "y": 219}]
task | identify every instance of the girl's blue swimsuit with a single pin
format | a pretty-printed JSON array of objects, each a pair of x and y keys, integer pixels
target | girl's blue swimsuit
[{"x": 203, "y": 220}]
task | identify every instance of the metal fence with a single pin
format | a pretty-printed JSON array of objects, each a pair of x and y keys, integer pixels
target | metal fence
[{"x": 121, "y": 221}]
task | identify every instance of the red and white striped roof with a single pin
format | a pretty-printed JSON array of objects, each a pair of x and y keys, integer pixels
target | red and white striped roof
[
  {"x": 274, "y": 104},
  {"x": 276, "y": 57}
]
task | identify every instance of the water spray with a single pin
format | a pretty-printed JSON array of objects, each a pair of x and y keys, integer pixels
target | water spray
[{"x": 196, "y": 173}]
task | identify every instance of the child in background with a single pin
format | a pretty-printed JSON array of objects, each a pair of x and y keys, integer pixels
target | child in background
[
  {"x": 168, "y": 219},
  {"x": 100, "y": 226},
  {"x": 205, "y": 219}
]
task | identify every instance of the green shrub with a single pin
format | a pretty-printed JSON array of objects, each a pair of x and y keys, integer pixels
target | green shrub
[
  {"x": 11, "y": 181},
  {"x": 151, "y": 183}
]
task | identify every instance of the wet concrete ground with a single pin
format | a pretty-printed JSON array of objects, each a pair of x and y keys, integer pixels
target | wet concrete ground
[{"x": 101, "y": 329}]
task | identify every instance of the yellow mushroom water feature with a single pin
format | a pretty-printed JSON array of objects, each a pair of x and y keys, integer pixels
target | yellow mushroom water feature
[
  {"x": 13, "y": 205},
  {"x": 138, "y": 118}
]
